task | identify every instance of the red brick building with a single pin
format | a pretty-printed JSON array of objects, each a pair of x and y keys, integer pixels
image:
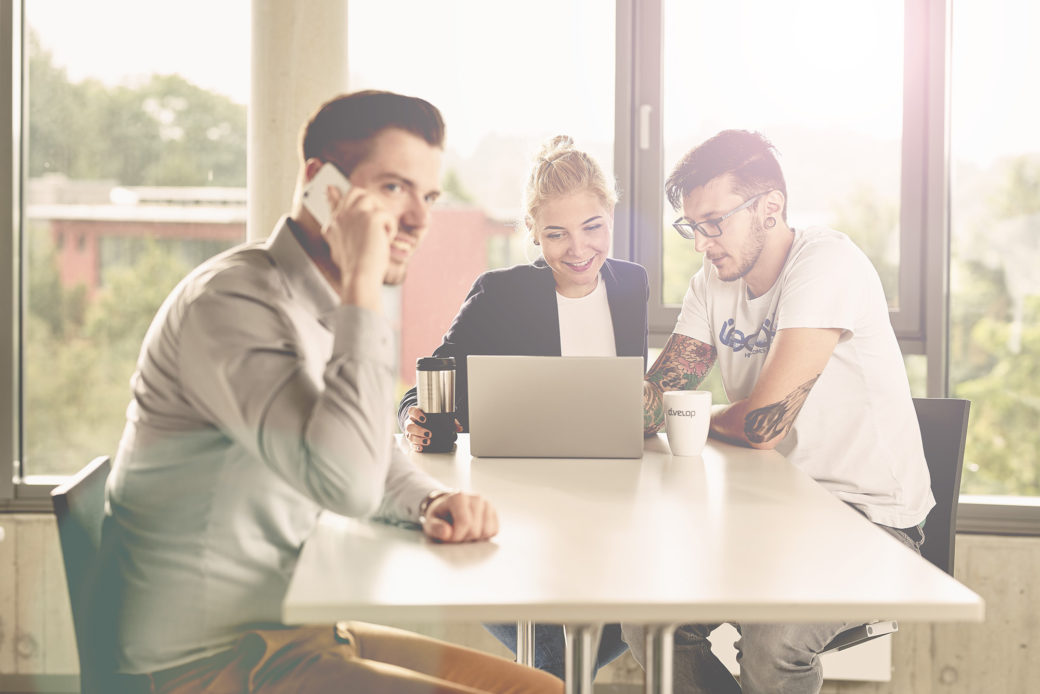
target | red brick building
[{"x": 89, "y": 231}]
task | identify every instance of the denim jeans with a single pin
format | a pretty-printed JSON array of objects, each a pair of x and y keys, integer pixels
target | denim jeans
[
  {"x": 549, "y": 647},
  {"x": 773, "y": 658}
]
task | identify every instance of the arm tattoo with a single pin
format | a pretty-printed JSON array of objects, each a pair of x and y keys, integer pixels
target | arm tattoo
[
  {"x": 653, "y": 409},
  {"x": 683, "y": 364},
  {"x": 774, "y": 420}
]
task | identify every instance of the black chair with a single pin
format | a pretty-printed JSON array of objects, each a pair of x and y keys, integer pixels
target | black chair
[
  {"x": 79, "y": 506},
  {"x": 944, "y": 428}
]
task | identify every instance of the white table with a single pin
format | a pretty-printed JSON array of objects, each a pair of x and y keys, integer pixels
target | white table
[{"x": 731, "y": 535}]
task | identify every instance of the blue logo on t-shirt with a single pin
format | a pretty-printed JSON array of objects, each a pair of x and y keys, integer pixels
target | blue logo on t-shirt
[{"x": 755, "y": 343}]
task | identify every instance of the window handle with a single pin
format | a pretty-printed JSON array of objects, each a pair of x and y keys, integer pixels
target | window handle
[{"x": 644, "y": 126}]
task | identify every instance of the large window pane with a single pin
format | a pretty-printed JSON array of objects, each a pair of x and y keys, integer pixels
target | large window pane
[
  {"x": 995, "y": 218},
  {"x": 823, "y": 81},
  {"x": 507, "y": 77},
  {"x": 135, "y": 172}
]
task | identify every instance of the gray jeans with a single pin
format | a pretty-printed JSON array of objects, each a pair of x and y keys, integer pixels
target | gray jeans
[{"x": 773, "y": 658}]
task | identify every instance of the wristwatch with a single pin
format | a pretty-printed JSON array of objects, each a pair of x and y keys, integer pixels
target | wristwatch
[{"x": 424, "y": 505}]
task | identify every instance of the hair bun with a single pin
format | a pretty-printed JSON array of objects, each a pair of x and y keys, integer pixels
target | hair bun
[{"x": 556, "y": 146}]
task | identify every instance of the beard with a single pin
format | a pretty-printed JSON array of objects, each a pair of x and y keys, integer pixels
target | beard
[
  {"x": 749, "y": 254},
  {"x": 395, "y": 273}
]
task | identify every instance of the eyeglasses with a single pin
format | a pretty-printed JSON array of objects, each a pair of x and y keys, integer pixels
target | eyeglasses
[{"x": 710, "y": 228}]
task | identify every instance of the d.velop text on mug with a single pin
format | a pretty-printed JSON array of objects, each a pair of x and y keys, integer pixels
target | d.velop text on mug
[{"x": 687, "y": 418}]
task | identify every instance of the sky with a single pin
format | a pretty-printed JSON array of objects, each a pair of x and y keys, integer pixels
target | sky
[
  {"x": 116, "y": 40},
  {"x": 547, "y": 65}
]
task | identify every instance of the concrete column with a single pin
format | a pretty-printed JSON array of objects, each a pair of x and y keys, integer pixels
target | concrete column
[{"x": 298, "y": 60}]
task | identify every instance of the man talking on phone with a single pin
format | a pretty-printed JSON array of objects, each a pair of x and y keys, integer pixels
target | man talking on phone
[{"x": 263, "y": 394}]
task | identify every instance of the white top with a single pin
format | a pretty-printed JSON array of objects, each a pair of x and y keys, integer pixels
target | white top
[
  {"x": 857, "y": 433},
  {"x": 734, "y": 534},
  {"x": 258, "y": 401},
  {"x": 586, "y": 328}
]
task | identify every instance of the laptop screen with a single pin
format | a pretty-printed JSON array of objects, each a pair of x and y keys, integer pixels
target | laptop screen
[{"x": 555, "y": 407}]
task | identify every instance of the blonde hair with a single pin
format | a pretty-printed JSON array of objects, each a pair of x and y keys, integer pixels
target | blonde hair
[{"x": 560, "y": 169}]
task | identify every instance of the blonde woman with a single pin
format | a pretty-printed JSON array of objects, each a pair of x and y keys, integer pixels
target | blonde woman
[{"x": 572, "y": 301}]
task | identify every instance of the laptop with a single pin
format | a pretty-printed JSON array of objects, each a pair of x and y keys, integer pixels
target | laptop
[{"x": 555, "y": 407}]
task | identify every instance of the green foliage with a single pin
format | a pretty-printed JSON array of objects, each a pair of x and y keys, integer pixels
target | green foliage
[
  {"x": 454, "y": 188},
  {"x": 680, "y": 263},
  {"x": 53, "y": 305},
  {"x": 1020, "y": 194},
  {"x": 872, "y": 222},
  {"x": 81, "y": 356},
  {"x": 165, "y": 132},
  {"x": 1001, "y": 457},
  {"x": 995, "y": 336},
  {"x": 80, "y": 349}
]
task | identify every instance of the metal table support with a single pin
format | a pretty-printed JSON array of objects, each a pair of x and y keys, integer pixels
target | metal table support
[
  {"x": 659, "y": 650},
  {"x": 582, "y": 646}
]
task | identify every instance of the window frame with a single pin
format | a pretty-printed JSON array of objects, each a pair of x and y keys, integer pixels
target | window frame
[
  {"x": 921, "y": 320},
  {"x": 647, "y": 171},
  {"x": 921, "y": 323},
  {"x": 10, "y": 255}
]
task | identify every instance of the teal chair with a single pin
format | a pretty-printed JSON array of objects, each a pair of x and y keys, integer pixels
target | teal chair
[
  {"x": 79, "y": 506},
  {"x": 944, "y": 429}
]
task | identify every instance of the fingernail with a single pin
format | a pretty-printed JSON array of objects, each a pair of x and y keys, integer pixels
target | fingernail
[
  {"x": 422, "y": 418},
  {"x": 426, "y": 442}
]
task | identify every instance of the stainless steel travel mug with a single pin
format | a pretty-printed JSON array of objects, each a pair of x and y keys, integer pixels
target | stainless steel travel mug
[{"x": 435, "y": 382}]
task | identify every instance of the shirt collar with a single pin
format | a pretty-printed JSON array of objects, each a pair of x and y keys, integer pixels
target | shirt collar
[{"x": 302, "y": 277}]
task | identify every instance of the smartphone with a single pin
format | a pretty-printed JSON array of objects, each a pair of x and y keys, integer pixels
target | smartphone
[{"x": 315, "y": 193}]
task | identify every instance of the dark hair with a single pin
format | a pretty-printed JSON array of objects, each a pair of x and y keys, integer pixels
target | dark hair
[
  {"x": 748, "y": 157},
  {"x": 344, "y": 126}
]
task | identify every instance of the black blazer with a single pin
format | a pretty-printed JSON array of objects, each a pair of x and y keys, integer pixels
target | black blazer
[{"x": 514, "y": 311}]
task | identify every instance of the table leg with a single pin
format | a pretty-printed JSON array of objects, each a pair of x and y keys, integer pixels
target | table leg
[
  {"x": 659, "y": 649},
  {"x": 525, "y": 643},
  {"x": 582, "y": 646}
]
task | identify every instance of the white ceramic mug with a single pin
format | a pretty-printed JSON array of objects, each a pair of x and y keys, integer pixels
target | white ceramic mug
[{"x": 687, "y": 415}]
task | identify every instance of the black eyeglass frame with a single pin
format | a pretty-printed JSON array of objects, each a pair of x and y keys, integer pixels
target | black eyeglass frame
[{"x": 689, "y": 230}]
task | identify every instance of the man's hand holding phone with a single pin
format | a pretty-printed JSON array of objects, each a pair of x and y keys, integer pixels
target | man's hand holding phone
[{"x": 357, "y": 230}]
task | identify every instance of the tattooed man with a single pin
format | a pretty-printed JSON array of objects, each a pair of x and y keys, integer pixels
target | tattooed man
[{"x": 797, "y": 321}]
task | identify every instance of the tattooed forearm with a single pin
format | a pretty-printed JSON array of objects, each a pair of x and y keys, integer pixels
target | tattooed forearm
[
  {"x": 774, "y": 420},
  {"x": 683, "y": 364},
  {"x": 653, "y": 408}
]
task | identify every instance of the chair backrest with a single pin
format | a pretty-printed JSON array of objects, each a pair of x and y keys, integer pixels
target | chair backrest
[
  {"x": 79, "y": 506},
  {"x": 944, "y": 428}
]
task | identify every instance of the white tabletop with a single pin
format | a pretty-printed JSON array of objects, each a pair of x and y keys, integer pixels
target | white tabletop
[{"x": 731, "y": 535}]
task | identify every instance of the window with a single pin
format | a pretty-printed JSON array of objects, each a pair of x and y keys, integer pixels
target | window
[
  {"x": 824, "y": 82},
  {"x": 920, "y": 113},
  {"x": 858, "y": 100},
  {"x": 995, "y": 246},
  {"x": 133, "y": 172},
  {"x": 507, "y": 77}
]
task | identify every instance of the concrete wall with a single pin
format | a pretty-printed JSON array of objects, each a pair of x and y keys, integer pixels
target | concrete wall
[{"x": 37, "y": 643}]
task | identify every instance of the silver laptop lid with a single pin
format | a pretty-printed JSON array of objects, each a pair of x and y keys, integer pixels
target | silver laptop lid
[{"x": 555, "y": 407}]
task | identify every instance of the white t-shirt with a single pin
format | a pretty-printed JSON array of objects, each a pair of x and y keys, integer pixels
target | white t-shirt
[
  {"x": 586, "y": 328},
  {"x": 857, "y": 433}
]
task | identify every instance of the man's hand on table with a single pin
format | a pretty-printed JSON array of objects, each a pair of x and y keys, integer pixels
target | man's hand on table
[{"x": 460, "y": 517}]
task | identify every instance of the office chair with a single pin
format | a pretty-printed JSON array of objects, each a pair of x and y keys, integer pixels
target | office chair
[
  {"x": 79, "y": 506},
  {"x": 944, "y": 428}
]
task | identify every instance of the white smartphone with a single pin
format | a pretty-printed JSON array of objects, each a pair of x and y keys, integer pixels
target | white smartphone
[{"x": 315, "y": 193}]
